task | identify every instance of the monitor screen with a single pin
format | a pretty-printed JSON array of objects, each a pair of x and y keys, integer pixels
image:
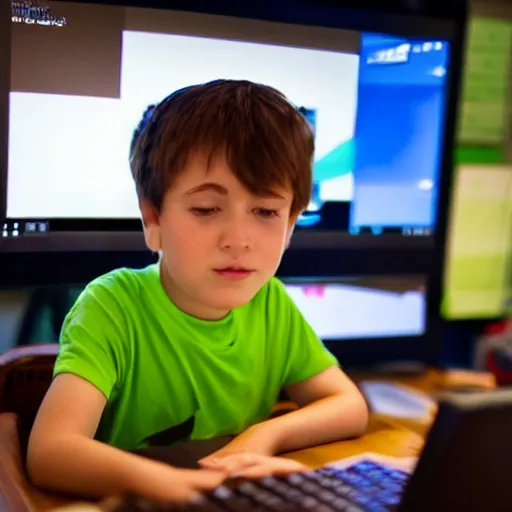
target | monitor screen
[
  {"x": 361, "y": 307},
  {"x": 83, "y": 74}
]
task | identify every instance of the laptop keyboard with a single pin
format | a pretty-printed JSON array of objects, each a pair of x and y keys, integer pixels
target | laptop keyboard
[{"x": 364, "y": 487}]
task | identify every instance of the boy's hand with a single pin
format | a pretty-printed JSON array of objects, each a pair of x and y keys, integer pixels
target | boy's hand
[
  {"x": 250, "y": 455},
  {"x": 168, "y": 484},
  {"x": 251, "y": 465}
]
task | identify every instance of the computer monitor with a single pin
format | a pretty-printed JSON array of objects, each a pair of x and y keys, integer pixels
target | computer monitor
[
  {"x": 366, "y": 319},
  {"x": 378, "y": 89}
]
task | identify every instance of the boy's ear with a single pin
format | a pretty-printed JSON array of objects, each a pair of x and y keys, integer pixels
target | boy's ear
[
  {"x": 151, "y": 224},
  {"x": 291, "y": 227}
]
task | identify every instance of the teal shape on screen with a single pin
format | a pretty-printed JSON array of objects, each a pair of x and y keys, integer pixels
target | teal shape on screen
[{"x": 336, "y": 163}]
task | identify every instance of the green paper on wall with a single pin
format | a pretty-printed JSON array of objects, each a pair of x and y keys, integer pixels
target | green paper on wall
[
  {"x": 485, "y": 93},
  {"x": 479, "y": 248}
]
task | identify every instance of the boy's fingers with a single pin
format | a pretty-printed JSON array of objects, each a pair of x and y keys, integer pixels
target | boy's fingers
[
  {"x": 231, "y": 463},
  {"x": 209, "y": 461},
  {"x": 260, "y": 471},
  {"x": 272, "y": 466},
  {"x": 207, "y": 479},
  {"x": 252, "y": 465}
]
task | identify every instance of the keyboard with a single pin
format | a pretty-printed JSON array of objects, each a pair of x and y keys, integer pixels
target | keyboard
[{"x": 363, "y": 487}]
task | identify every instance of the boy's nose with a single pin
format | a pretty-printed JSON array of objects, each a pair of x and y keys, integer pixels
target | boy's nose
[{"x": 236, "y": 236}]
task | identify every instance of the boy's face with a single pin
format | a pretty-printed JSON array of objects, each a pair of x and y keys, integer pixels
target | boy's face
[{"x": 220, "y": 244}]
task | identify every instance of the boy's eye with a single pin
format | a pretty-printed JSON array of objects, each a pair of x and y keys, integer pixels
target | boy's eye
[
  {"x": 203, "y": 212},
  {"x": 266, "y": 213}
]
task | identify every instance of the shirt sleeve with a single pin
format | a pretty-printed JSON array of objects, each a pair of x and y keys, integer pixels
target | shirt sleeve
[
  {"x": 89, "y": 340},
  {"x": 306, "y": 355}
]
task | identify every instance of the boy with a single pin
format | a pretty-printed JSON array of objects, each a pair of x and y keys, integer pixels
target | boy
[{"x": 199, "y": 345}]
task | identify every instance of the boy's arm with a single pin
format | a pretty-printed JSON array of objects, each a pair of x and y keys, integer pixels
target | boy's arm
[
  {"x": 63, "y": 456},
  {"x": 331, "y": 408}
]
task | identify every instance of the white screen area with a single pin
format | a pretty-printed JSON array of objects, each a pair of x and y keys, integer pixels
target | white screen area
[
  {"x": 338, "y": 311},
  {"x": 68, "y": 155}
]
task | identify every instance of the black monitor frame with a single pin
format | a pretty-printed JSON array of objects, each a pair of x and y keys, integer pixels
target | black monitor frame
[
  {"x": 76, "y": 256},
  {"x": 421, "y": 18}
]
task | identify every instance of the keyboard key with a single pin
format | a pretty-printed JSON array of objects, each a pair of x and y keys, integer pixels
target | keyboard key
[
  {"x": 375, "y": 474},
  {"x": 362, "y": 483},
  {"x": 353, "y": 508},
  {"x": 261, "y": 495},
  {"x": 310, "y": 503},
  {"x": 271, "y": 501},
  {"x": 354, "y": 495},
  {"x": 269, "y": 481},
  {"x": 323, "y": 508},
  {"x": 231, "y": 501},
  {"x": 361, "y": 499},
  {"x": 372, "y": 491},
  {"x": 342, "y": 489},
  {"x": 222, "y": 493},
  {"x": 392, "y": 489},
  {"x": 296, "y": 478},
  {"x": 340, "y": 504},
  {"x": 293, "y": 495},
  {"x": 281, "y": 488},
  {"x": 327, "y": 481},
  {"x": 327, "y": 496},
  {"x": 249, "y": 488},
  {"x": 366, "y": 465},
  {"x": 310, "y": 488},
  {"x": 391, "y": 499},
  {"x": 375, "y": 507}
]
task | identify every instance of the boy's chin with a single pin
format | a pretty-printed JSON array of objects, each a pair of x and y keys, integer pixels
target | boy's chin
[{"x": 227, "y": 300}]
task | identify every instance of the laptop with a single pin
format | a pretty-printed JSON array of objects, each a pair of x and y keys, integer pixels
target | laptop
[{"x": 465, "y": 466}]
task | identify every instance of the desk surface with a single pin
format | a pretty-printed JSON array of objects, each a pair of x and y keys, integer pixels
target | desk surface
[{"x": 385, "y": 436}]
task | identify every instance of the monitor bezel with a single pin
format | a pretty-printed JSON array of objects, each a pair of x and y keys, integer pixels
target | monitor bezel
[{"x": 400, "y": 18}]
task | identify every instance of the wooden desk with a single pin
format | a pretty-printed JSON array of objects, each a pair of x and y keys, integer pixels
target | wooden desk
[
  {"x": 385, "y": 436},
  {"x": 381, "y": 437}
]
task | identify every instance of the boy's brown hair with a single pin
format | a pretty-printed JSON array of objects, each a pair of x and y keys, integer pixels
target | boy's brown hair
[{"x": 267, "y": 141}]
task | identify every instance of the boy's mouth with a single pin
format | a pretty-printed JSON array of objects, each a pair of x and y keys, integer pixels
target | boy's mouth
[{"x": 233, "y": 272}]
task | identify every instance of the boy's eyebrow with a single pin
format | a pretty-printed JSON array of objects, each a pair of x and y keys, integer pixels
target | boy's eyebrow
[
  {"x": 214, "y": 187},
  {"x": 219, "y": 189}
]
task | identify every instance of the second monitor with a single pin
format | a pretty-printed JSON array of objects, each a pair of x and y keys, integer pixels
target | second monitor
[{"x": 367, "y": 319}]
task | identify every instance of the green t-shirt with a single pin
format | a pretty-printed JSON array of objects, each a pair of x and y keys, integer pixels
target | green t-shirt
[{"x": 168, "y": 376}]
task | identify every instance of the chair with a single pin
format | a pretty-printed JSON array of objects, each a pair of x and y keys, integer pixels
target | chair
[{"x": 25, "y": 376}]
